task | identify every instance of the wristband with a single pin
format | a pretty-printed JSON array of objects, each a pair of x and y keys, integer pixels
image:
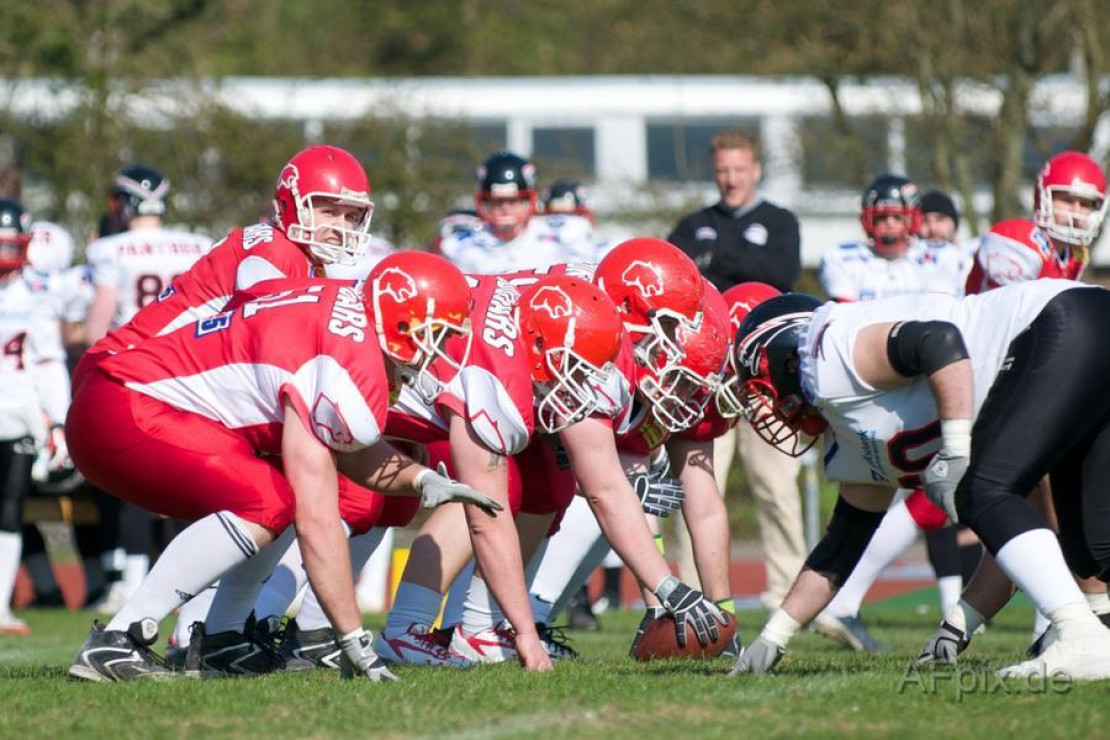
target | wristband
[
  {"x": 955, "y": 437},
  {"x": 963, "y": 616},
  {"x": 780, "y": 628}
]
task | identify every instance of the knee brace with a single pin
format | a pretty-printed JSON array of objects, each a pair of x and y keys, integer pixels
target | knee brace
[{"x": 848, "y": 535}]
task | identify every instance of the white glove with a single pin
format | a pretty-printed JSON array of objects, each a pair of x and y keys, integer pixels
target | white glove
[
  {"x": 59, "y": 450},
  {"x": 358, "y": 658},
  {"x": 438, "y": 488},
  {"x": 760, "y": 657},
  {"x": 945, "y": 644}
]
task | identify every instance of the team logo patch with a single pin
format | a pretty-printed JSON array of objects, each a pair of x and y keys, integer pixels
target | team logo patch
[
  {"x": 756, "y": 234},
  {"x": 553, "y": 301},
  {"x": 397, "y": 284},
  {"x": 705, "y": 234},
  {"x": 645, "y": 277}
]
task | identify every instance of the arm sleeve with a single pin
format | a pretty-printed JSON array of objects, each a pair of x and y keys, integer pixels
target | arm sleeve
[
  {"x": 46, "y": 364},
  {"x": 834, "y": 279},
  {"x": 785, "y": 242}
]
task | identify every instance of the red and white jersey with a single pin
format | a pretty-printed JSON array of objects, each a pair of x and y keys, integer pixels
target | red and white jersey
[
  {"x": 854, "y": 272},
  {"x": 241, "y": 259},
  {"x": 309, "y": 341},
  {"x": 493, "y": 391},
  {"x": 546, "y": 240},
  {"x": 711, "y": 426},
  {"x": 140, "y": 264},
  {"x": 377, "y": 250},
  {"x": 32, "y": 364},
  {"x": 1001, "y": 261},
  {"x": 888, "y": 436}
]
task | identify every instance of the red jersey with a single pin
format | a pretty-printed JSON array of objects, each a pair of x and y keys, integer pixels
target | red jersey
[
  {"x": 242, "y": 258},
  {"x": 309, "y": 341},
  {"x": 493, "y": 391},
  {"x": 1001, "y": 260}
]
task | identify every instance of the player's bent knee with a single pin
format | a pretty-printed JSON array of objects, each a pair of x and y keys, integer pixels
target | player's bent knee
[{"x": 850, "y": 530}]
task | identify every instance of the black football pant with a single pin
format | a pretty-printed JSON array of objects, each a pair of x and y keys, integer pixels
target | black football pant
[
  {"x": 16, "y": 458},
  {"x": 1048, "y": 412}
]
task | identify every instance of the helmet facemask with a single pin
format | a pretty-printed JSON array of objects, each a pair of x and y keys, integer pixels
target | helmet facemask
[
  {"x": 787, "y": 423},
  {"x": 570, "y": 395},
  {"x": 417, "y": 347},
  {"x": 678, "y": 396},
  {"x": 656, "y": 343},
  {"x": 1076, "y": 229},
  {"x": 353, "y": 242}
]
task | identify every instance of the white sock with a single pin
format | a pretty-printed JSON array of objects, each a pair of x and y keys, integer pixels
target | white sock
[
  {"x": 1099, "y": 603},
  {"x": 286, "y": 582},
  {"x": 1034, "y": 562},
  {"x": 135, "y": 568},
  {"x": 481, "y": 610},
  {"x": 564, "y": 556},
  {"x": 895, "y": 534},
  {"x": 239, "y": 588},
  {"x": 1040, "y": 623},
  {"x": 372, "y": 587},
  {"x": 194, "y": 610},
  {"x": 413, "y": 605},
  {"x": 311, "y": 616},
  {"x": 195, "y": 558},
  {"x": 11, "y": 547},
  {"x": 456, "y": 596},
  {"x": 949, "y": 588}
]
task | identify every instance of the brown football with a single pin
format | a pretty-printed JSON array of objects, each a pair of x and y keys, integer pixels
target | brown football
[{"x": 660, "y": 641}]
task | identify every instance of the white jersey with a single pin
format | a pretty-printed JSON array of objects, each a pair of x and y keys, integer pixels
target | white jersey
[
  {"x": 547, "y": 240},
  {"x": 140, "y": 264},
  {"x": 854, "y": 272},
  {"x": 32, "y": 366},
  {"x": 887, "y": 436},
  {"x": 70, "y": 291},
  {"x": 51, "y": 248}
]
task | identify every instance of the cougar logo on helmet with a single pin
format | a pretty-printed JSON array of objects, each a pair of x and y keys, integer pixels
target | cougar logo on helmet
[
  {"x": 397, "y": 284},
  {"x": 553, "y": 300},
  {"x": 738, "y": 311},
  {"x": 645, "y": 276},
  {"x": 288, "y": 179}
]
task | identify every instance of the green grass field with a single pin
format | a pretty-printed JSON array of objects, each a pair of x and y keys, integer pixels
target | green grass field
[{"x": 820, "y": 690}]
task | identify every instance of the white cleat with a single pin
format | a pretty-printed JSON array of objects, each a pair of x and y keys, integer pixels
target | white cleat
[
  {"x": 1080, "y": 652},
  {"x": 112, "y": 601},
  {"x": 419, "y": 645},
  {"x": 491, "y": 645},
  {"x": 12, "y": 625}
]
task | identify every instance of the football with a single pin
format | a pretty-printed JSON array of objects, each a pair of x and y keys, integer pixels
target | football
[{"x": 660, "y": 640}]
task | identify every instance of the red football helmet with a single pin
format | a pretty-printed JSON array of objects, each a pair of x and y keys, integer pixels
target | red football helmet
[
  {"x": 573, "y": 333},
  {"x": 15, "y": 235},
  {"x": 419, "y": 301},
  {"x": 766, "y": 363},
  {"x": 1077, "y": 175},
  {"x": 657, "y": 289},
  {"x": 679, "y": 391},
  {"x": 324, "y": 174},
  {"x": 740, "y": 300}
]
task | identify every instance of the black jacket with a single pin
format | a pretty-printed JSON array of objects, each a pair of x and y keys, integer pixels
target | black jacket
[{"x": 762, "y": 243}]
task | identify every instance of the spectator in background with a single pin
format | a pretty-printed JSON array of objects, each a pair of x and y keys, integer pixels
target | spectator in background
[
  {"x": 939, "y": 218},
  {"x": 744, "y": 238}
]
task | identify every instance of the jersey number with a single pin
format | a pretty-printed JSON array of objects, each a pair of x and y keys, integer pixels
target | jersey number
[
  {"x": 911, "y": 450},
  {"x": 14, "y": 348}
]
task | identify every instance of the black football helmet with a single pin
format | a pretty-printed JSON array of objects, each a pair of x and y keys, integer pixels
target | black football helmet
[
  {"x": 567, "y": 196},
  {"x": 506, "y": 175},
  {"x": 890, "y": 195},
  {"x": 765, "y": 359},
  {"x": 15, "y": 235},
  {"x": 139, "y": 190}
]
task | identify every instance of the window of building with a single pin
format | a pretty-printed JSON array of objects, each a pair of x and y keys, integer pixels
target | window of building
[
  {"x": 679, "y": 150},
  {"x": 831, "y": 158},
  {"x": 564, "y": 152}
]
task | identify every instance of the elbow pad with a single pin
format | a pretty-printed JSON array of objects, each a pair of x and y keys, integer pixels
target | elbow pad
[{"x": 923, "y": 347}]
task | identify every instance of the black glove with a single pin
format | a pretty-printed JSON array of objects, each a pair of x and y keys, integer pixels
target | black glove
[
  {"x": 658, "y": 497},
  {"x": 690, "y": 606}
]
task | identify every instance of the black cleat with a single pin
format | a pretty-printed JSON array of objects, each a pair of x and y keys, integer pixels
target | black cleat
[
  {"x": 304, "y": 650},
  {"x": 231, "y": 653},
  {"x": 555, "y": 642},
  {"x": 117, "y": 655}
]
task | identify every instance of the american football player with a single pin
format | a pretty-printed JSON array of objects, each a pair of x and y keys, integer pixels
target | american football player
[
  {"x": 507, "y": 233},
  {"x": 889, "y": 388},
  {"x": 180, "y": 402},
  {"x": 33, "y": 405},
  {"x": 892, "y": 260}
]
